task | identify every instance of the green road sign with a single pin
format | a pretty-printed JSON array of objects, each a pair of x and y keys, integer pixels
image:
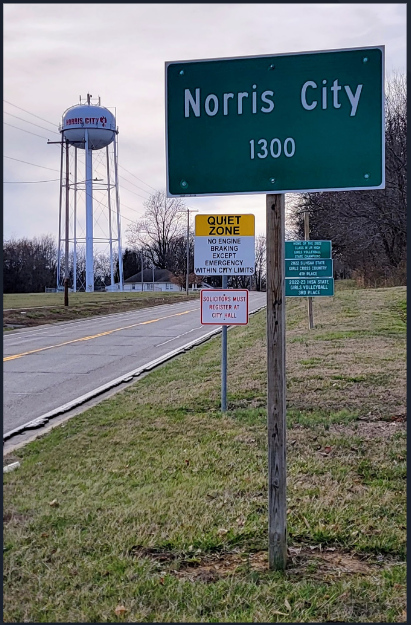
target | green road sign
[
  {"x": 276, "y": 123},
  {"x": 309, "y": 268},
  {"x": 309, "y": 287},
  {"x": 308, "y": 249}
]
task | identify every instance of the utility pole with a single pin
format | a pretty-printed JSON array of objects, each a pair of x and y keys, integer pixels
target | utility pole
[
  {"x": 309, "y": 299},
  {"x": 142, "y": 269},
  {"x": 276, "y": 387},
  {"x": 61, "y": 143},
  {"x": 182, "y": 210},
  {"x": 66, "y": 252}
]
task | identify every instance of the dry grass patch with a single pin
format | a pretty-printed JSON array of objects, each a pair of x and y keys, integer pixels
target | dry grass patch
[{"x": 209, "y": 568}]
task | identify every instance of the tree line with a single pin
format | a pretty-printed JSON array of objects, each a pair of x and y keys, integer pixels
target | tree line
[{"x": 157, "y": 240}]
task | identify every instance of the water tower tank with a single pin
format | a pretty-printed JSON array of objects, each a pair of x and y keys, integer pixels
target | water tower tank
[{"x": 99, "y": 121}]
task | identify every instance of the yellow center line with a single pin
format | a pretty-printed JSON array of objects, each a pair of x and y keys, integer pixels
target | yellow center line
[{"x": 95, "y": 336}]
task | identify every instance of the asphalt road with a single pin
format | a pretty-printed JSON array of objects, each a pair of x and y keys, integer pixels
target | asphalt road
[{"x": 48, "y": 366}]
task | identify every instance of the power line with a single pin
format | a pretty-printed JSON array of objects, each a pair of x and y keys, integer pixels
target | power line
[
  {"x": 134, "y": 185},
  {"x": 21, "y": 109},
  {"x": 42, "y": 137},
  {"x": 51, "y": 123},
  {"x": 126, "y": 218},
  {"x": 129, "y": 190},
  {"x": 114, "y": 211},
  {"x": 146, "y": 183},
  {"x": 28, "y": 182},
  {"x": 129, "y": 172},
  {"x": 32, "y": 123},
  {"x": 28, "y": 131},
  {"x": 41, "y": 166},
  {"x": 129, "y": 207}
]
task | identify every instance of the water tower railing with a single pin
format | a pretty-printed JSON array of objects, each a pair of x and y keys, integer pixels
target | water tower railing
[{"x": 112, "y": 127}]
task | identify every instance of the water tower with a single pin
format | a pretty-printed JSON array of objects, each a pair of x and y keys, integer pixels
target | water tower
[{"x": 90, "y": 128}]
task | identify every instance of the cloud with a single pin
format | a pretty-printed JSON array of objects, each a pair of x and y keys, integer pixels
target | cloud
[{"x": 53, "y": 53}]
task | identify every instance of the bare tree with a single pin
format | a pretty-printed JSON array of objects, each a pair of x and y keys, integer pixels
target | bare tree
[
  {"x": 161, "y": 224},
  {"x": 260, "y": 260}
]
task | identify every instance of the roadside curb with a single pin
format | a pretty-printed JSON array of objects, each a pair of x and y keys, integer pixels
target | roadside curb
[{"x": 127, "y": 377}]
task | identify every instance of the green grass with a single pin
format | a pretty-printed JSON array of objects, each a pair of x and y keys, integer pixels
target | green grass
[
  {"x": 345, "y": 285},
  {"x": 400, "y": 307},
  {"x": 162, "y": 499}
]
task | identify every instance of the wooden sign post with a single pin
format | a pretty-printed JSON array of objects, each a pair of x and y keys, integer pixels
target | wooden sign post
[
  {"x": 218, "y": 144},
  {"x": 276, "y": 412}
]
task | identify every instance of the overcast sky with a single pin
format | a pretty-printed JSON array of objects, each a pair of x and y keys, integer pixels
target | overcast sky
[{"x": 53, "y": 53}]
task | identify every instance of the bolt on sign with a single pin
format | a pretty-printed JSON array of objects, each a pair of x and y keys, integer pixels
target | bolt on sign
[
  {"x": 224, "y": 245},
  {"x": 276, "y": 123},
  {"x": 308, "y": 269},
  {"x": 224, "y": 307}
]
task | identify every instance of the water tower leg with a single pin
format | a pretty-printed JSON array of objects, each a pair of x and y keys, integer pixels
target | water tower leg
[
  {"x": 60, "y": 204},
  {"x": 75, "y": 224},
  {"x": 110, "y": 232},
  {"x": 120, "y": 253},
  {"x": 89, "y": 219}
]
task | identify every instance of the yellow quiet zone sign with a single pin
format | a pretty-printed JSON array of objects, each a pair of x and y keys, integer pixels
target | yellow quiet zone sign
[{"x": 224, "y": 225}]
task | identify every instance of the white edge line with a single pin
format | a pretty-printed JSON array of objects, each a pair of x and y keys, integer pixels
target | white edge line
[
  {"x": 127, "y": 377},
  {"x": 11, "y": 467}
]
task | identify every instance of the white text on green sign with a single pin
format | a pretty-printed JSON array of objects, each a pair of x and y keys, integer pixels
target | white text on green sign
[
  {"x": 265, "y": 124},
  {"x": 307, "y": 249},
  {"x": 309, "y": 287},
  {"x": 309, "y": 268}
]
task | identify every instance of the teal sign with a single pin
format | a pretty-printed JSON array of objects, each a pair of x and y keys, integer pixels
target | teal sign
[
  {"x": 276, "y": 123},
  {"x": 309, "y": 287},
  {"x": 309, "y": 268},
  {"x": 308, "y": 249}
]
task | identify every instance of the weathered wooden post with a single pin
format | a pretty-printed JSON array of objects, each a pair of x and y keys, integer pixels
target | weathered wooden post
[{"x": 276, "y": 410}]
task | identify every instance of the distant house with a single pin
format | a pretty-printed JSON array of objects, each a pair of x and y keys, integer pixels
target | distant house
[{"x": 159, "y": 280}]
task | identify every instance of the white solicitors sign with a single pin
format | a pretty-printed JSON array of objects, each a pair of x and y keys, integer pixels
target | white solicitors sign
[
  {"x": 224, "y": 307},
  {"x": 224, "y": 245}
]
